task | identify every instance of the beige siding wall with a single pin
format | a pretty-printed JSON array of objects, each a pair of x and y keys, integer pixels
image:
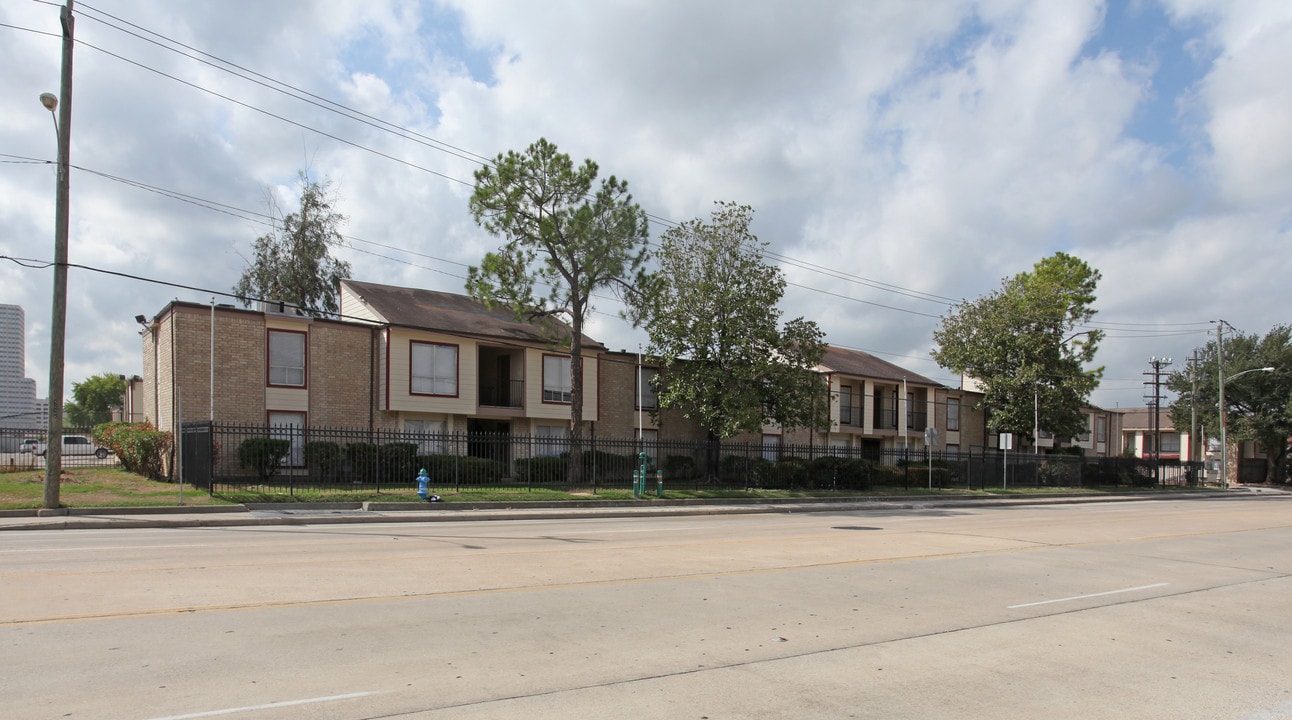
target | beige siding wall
[
  {"x": 534, "y": 405},
  {"x": 401, "y": 400}
]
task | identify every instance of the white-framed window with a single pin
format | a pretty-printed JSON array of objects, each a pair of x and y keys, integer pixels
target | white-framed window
[
  {"x": 289, "y": 426},
  {"x": 429, "y": 435},
  {"x": 287, "y": 354},
  {"x": 433, "y": 369},
  {"x": 551, "y": 440},
  {"x": 646, "y": 395},
  {"x": 1101, "y": 429},
  {"x": 1085, "y": 436},
  {"x": 771, "y": 447},
  {"x": 1171, "y": 443},
  {"x": 953, "y": 414},
  {"x": 556, "y": 378}
]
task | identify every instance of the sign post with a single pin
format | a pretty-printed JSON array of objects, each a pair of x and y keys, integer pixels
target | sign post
[
  {"x": 930, "y": 441},
  {"x": 1006, "y": 443}
]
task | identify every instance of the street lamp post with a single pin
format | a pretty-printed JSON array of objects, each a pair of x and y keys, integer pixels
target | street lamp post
[
  {"x": 58, "y": 315},
  {"x": 1224, "y": 440}
]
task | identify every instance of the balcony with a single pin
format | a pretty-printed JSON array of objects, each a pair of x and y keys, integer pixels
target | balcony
[{"x": 510, "y": 394}]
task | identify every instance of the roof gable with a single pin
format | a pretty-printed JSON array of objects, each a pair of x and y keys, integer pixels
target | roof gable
[
  {"x": 450, "y": 313},
  {"x": 863, "y": 364}
]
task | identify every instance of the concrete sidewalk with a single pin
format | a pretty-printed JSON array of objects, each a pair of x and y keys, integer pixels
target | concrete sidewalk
[{"x": 346, "y": 513}]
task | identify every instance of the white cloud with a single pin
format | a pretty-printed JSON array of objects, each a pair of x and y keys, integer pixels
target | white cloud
[{"x": 936, "y": 147}]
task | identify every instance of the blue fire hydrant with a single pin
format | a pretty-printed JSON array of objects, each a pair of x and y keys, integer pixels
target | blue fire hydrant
[{"x": 423, "y": 485}]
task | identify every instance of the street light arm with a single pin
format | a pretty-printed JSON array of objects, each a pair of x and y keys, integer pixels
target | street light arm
[{"x": 1240, "y": 374}]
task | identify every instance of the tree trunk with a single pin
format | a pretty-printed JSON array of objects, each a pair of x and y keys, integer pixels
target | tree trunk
[{"x": 575, "y": 474}]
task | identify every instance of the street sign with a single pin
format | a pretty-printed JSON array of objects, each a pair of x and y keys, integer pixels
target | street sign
[
  {"x": 930, "y": 436},
  {"x": 1006, "y": 441}
]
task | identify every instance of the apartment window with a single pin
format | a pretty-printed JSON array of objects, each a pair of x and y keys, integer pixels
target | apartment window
[
  {"x": 1171, "y": 443},
  {"x": 646, "y": 397},
  {"x": 551, "y": 440},
  {"x": 1101, "y": 429},
  {"x": 286, "y": 358},
  {"x": 289, "y": 426},
  {"x": 1085, "y": 436},
  {"x": 953, "y": 414},
  {"x": 771, "y": 447},
  {"x": 433, "y": 369},
  {"x": 845, "y": 405},
  {"x": 429, "y": 435},
  {"x": 556, "y": 379}
]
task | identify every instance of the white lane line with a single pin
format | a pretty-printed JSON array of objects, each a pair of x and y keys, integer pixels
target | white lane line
[
  {"x": 96, "y": 548},
  {"x": 266, "y": 706},
  {"x": 1091, "y": 595}
]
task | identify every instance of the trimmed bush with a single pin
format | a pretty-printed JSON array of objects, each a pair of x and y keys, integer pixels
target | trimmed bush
[
  {"x": 451, "y": 470},
  {"x": 398, "y": 461},
  {"x": 263, "y": 455},
  {"x": 363, "y": 459},
  {"x": 323, "y": 458}
]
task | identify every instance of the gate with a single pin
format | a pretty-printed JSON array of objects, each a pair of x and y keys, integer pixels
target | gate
[{"x": 196, "y": 455}]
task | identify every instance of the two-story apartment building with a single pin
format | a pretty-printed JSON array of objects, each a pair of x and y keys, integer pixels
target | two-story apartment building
[
  {"x": 873, "y": 405},
  {"x": 401, "y": 359}
]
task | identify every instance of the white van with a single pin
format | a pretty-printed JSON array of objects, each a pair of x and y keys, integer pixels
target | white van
[{"x": 76, "y": 445}]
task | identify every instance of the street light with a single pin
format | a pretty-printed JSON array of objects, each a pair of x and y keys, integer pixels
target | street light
[{"x": 1224, "y": 440}]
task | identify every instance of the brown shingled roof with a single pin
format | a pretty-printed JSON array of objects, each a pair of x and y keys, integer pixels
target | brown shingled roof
[
  {"x": 863, "y": 364},
  {"x": 455, "y": 314}
]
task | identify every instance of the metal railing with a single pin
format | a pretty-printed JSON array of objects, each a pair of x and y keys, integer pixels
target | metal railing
[{"x": 267, "y": 459}]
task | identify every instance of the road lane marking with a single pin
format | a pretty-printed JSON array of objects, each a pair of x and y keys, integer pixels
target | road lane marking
[
  {"x": 267, "y": 706},
  {"x": 1083, "y": 597},
  {"x": 98, "y": 548}
]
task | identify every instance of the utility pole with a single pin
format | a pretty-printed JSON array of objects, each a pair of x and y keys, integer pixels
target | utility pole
[
  {"x": 58, "y": 315},
  {"x": 1193, "y": 408},
  {"x": 1220, "y": 406},
  {"x": 1155, "y": 408}
]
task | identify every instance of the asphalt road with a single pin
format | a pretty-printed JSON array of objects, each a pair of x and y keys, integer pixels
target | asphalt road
[{"x": 1161, "y": 609}]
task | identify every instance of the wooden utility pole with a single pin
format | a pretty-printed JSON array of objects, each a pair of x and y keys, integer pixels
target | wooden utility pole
[{"x": 58, "y": 317}]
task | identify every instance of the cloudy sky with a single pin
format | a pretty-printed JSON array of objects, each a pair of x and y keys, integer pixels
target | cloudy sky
[{"x": 900, "y": 156}]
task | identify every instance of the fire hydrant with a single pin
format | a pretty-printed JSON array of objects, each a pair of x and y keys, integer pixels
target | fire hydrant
[{"x": 424, "y": 487}]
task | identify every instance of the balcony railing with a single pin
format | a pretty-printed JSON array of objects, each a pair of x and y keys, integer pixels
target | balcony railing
[{"x": 508, "y": 395}]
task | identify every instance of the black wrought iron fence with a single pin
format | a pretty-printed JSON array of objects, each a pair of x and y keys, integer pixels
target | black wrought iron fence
[
  {"x": 26, "y": 448},
  {"x": 286, "y": 459}
]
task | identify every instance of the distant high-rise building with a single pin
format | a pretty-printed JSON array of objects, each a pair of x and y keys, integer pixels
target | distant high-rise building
[{"x": 18, "y": 405}]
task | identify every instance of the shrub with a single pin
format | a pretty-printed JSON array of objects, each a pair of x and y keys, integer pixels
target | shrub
[
  {"x": 398, "y": 461},
  {"x": 363, "y": 458},
  {"x": 323, "y": 457},
  {"x": 450, "y": 470},
  {"x": 679, "y": 467},
  {"x": 263, "y": 455},
  {"x": 140, "y": 448}
]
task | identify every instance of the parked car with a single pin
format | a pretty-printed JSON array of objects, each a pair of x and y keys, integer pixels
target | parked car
[
  {"x": 28, "y": 445},
  {"x": 75, "y": 445}
]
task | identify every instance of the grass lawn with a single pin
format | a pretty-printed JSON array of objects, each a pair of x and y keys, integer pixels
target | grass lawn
[
  {"x": 95, "y": 487},
  {"x": 113, "y": 487}
]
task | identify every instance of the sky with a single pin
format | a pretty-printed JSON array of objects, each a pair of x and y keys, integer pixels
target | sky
[{"x": 900, "y": 157}]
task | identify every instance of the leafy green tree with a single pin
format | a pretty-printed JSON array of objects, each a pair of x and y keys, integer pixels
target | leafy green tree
[
  {"x": 1258, "y": 405},
  {"x": 293, "y": 263},
  {"x": 563, "y": 242},
  {"x": 93, "y": 400},
  {"x": 1022, "y": 346},
  {"x": 714, "y": 327}
]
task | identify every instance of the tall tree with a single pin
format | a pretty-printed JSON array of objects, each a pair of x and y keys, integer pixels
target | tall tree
[
  {"x": 561, "y": 235},
  {"x": 94, "y": 398},
  {"x": 1258, "y": 405},
  {"x": 1022, "y": 346},
  {"x": 293, "y": 262},
  {"x": 714, "y": 326}
]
